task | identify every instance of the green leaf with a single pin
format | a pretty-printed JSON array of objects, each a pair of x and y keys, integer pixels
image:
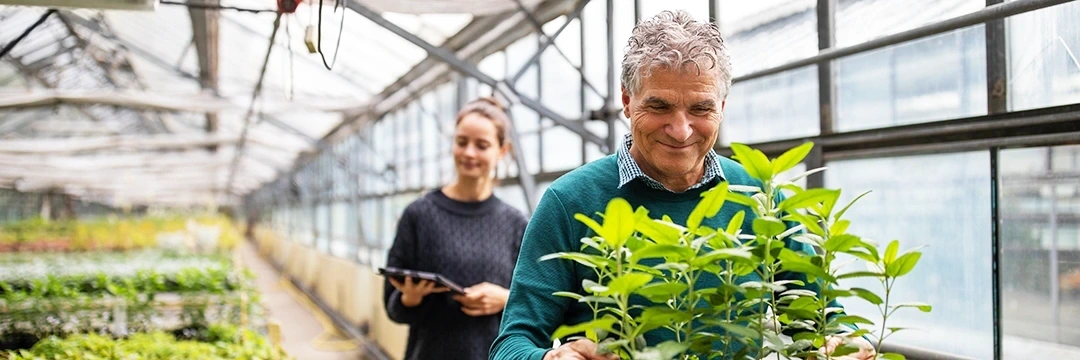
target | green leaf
[
  {"x": 840, "y": 214},
  {"x": 768, "y": 226},
  {"x": 592, "y": 261},
  {"x": 672, "y": 266},
  {"x": 800, "y": 292},
  {"x": 660, "y": 292},
  {"x": 924, "y": 307},
  {"x": 807, "y": 198},
  {"x": 867, "y": 295},
  {"x": 903, "y": 265},
  {"x": 618, "y": 221},
  {"x": 810, "y": 222},
  {"x": 721, "y": 254},
  {"x": 841, "y": 242},
  {"x": 708, "y": 207},
  {"x": 893, "y": 356},
  {"x": 662, "y": 316},
  {"x": 604, "y": 323},
  {"x": 890, "y": 252},
  {"x": 859, "y": 274},
  {"x": 786, "y": 282},
  {"x": 598, "y": 300},
  {"x": 808, "y": 239},
  {"x": 658, "y": 231},
  {"x": 593, "y": 287},
  {"x": 853, "y": 320},
  {"x": 670, "y": 349},
  {"x": 674, "y": 252},
  {"x": 592, "y": 224},
  {"x": 839, "y": 227},
  {"x": 755, "y": 161},
  {"x": 792, "y": 157},
  {"x": 869, "y": 257},
  {"x": 806, "y": 268},
  {"x": 628, "y": 283},
  {"x": 736, "y": 222},
  {"x": 741, "y": 199},
  {"x": 738, "y": 330},
  {"x": 568, "y": 294}
]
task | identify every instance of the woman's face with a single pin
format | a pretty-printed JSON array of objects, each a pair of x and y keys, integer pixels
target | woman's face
[{"x": 476, "y": 147}]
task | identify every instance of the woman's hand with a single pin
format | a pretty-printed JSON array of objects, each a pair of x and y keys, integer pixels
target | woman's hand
[
  {"x": 412, "y": 294},
  {"x": 483, "y": 299}
]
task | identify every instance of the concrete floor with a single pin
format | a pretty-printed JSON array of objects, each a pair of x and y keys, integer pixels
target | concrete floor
[{"x": 299, "y": 325}]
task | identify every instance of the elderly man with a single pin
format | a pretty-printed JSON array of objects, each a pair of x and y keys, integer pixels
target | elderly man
[{"x": 676, "y": 76}]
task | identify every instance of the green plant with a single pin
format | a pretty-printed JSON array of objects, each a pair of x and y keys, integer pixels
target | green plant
[
  {"x": 221, "y": 342},
  {"x": 60, "y": 294},
  {"x": 735, "y": 291}
]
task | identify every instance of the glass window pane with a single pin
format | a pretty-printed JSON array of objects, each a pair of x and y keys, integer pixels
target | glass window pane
[
  {"x": 595, "y": 47},
  {"x": 763, "y": 34},
  {"x": 947, "y": 209},
  {"x": 339, "y": 242},
  {"x": 781, "y": 106},
  {"x": 494, "y": 65},
  {"x": 1044, "y": 48},
  {"x": 562, "y": 149},
  {"x": 858, "y": 21},
  {"x": 322, "y": 224},
  {"x": 530, "y": 147},
  {"x": 1040, "y": 252},
  {"x": 561, "y": 86},
  {"x": 931, "y": 79}
]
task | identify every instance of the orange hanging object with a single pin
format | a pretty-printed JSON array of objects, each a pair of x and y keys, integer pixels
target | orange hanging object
[{"x": 288, "y": 6}]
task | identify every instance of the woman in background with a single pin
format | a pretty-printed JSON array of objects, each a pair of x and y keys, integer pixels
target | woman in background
[{"x": 465, "y": 233}]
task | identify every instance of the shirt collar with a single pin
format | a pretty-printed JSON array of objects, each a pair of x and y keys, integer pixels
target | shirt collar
[{"x": 629, "y": 169}]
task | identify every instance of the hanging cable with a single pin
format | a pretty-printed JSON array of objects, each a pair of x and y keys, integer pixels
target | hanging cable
[
  {"x": 341, "y": 26},
  {"x": 11, "y": 45}
]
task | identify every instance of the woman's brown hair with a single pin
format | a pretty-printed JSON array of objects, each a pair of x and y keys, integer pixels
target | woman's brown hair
[{"x": 491, "y": 109}]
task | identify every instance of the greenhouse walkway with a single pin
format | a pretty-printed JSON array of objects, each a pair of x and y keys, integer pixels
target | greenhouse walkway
[{"x": 307, "y": 333}]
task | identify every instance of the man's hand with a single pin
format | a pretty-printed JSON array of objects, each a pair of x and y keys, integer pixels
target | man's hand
[
  {"x": 412, "y": 294},
  {"x": 866, "y": 350},
  {"x": 483, "y": 299},
  {"x": 583, "y": 349}
]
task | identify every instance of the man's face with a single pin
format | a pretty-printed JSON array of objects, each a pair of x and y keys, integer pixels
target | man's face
[{"x": 674, "y": 118}]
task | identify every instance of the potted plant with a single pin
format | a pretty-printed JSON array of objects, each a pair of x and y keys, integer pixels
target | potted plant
[{"x": 758, "y": 309}]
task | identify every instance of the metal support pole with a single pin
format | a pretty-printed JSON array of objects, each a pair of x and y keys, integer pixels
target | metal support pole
[
  {"x": 548, "y": 41},
  {"x": 471, "y": 70},
  {"x": 997, "y": 66},
  {"x": 528, "y": 181},
  {"x": 610, "y": 115},
  {"x": 11, "y": 45},
  {"x": 826, "y": 30},
  {"x": 995, "y": 246}
]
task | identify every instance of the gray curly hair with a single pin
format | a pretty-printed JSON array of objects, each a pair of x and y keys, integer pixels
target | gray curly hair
[{"x": 673, "y": 39}]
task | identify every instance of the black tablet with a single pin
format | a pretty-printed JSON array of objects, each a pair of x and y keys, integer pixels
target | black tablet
[{"x": 400, "y": 274}]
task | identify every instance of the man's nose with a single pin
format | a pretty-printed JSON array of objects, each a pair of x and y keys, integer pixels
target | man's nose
[{"x": 679, "y": 128}]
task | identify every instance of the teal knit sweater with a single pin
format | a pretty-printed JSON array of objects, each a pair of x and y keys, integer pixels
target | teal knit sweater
[{"x": 532, "y": 313}]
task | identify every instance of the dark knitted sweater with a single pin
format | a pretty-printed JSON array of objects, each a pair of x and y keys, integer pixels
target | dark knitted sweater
[{"x": 469, "y": 243}]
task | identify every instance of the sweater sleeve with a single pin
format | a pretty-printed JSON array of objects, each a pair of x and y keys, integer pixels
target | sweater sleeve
[
  {"x": 403, "y": 255},
  {"x": 532, "y": 313}
]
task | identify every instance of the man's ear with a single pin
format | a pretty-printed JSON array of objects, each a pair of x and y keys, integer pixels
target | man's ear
[{"x": 625, "y": 102}]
